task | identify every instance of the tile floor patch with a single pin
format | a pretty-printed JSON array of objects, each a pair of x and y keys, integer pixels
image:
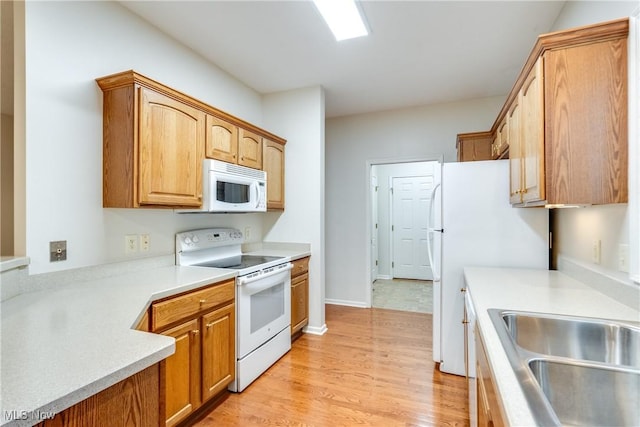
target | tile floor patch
[{"x": 402, "y": 294}]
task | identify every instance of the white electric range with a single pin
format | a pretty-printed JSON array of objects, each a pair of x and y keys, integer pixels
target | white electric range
[{"x": 263, "y": 297}]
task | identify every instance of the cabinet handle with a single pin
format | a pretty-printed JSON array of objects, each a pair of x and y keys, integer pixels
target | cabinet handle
[
  {"x": 524, "y": 191},
  {"x": 463, "y": 289},
  {"x": 195, "y": 332},
  {"x": 209, "y": 325},
  {"x": 202, "y": 301}
]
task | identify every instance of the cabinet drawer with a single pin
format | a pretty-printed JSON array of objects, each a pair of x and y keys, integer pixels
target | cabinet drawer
[
  {"x": 300, "y": 266},
  {"x": 167, "y": 312}
]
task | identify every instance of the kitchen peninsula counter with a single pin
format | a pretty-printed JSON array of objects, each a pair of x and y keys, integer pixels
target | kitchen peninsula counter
[
  {"x": 537, "y": 291},
  {"x": 62, "y": 345}
]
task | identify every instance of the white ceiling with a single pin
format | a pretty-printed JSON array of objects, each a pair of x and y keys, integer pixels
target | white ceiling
[{"x": 418, "y": 52}]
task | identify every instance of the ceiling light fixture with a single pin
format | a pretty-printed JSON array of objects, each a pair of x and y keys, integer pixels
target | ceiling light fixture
[{"x": 343, "y": 18}]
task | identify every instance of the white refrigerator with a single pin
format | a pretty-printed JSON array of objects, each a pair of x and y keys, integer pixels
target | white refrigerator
[{"x": 472, "y": 224}]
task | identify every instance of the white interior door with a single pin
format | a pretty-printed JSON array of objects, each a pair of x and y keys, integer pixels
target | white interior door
[
  {"x": 374, "y": 227},
  {"x": 410, "y": 211}
]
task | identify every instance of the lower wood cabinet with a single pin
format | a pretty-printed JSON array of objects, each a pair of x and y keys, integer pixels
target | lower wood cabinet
[
  {"x": 218, "y": 350},
  {"x": 133, "y": 401},
  {"x": 299, "y": 296},
  {"x": 488, "y": 402},
  {"x": 204, "y": 360},
  {"x": 181, "y": 374}
]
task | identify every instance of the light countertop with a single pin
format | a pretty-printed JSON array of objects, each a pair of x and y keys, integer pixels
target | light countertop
[
  {"x": 538, "y": 291},
  {"x": 62, "y": 345}
]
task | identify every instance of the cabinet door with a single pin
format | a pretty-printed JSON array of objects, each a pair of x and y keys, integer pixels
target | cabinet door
[
  {"x": 218, "y": 350},
  {"x": 299, "y": 302},
  {"x": 273, "y": 164},
  {"x": 249, "y": 149},
  {"x": 532, "y": 136},
  {"x": 515, "y": 152},
  {"x": 171, "y": 148},
  {"x": 181, "y": 376},
  {"x": 503, "y": 132},
  {"x": 586, "y": 107},
  {"x": 221, "y": 140}
]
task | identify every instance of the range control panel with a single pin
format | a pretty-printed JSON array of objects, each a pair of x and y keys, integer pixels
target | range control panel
[{"x": 207, "y": 238}]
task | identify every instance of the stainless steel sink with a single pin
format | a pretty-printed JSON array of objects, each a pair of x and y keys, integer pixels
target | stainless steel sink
[
  {"x": 574, "y": 370},
  {"x": 586, "y": 395},
  {"x": 596, "y": 340}
]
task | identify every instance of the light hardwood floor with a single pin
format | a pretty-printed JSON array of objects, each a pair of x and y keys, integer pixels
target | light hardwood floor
[{"x": 372, "y": 368}]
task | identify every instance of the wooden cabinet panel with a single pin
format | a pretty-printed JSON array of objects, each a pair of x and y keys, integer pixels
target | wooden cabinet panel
[
  {"x": 249, "y": 149},
  {"x": 488, "y": 402},
  {"x": 221, "y": 140},
  {"x": 172, "y": 310},
  {"x": 515, "y": 152},
  {"x": 273, "y": 164},
  {"x": 171, "y": 146},
  {"x": 585, "y": 98},
  {"x": 133, "y": 401},
  {"x": 181, "y": 376},
  {"x": 218, "y": 350},
  {"x": 300, "y": 266},
  {"x": 299, "y": 295},
  {"x": 299, "y": 302},
  {"x": 532, "y": 135},
  {"x": 474, "y": 146}
]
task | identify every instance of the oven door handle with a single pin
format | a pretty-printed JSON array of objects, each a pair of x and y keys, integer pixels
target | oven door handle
[{"x": 249, "y": 279}]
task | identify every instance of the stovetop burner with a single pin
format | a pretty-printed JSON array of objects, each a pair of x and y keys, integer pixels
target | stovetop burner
[{"x": 239, "y": 262}]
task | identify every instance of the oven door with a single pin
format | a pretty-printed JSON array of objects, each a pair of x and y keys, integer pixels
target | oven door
[{"x": 263, "y": 308}]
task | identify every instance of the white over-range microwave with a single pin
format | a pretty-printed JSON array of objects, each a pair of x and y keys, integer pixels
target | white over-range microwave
[{"x": 227, "y": 187}]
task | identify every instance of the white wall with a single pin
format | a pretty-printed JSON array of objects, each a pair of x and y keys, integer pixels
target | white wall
[
  {"x": 299, "y": 114},
  {"x": 577, "y": 228},
  {"x": 414, "y": 133},
  {"x": 68, "y": 46},
  {"x": 384, "y": 173}
]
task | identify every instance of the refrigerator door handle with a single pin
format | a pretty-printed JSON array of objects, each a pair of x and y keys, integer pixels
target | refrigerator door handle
[{"x": 430, "y": 234}]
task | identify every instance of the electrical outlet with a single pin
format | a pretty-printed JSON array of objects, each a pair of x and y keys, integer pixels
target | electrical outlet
[
  {"x": 623, "y": 258},
  {"x": 130, "y": 243},
  {"x": 595, "y": 251},
  {"x": 247, "y": 233},
  {"x": 57, "y": 251},
  {"x": 145, "y": 242}
]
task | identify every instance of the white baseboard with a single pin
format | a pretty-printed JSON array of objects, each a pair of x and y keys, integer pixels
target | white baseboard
[
  {"x": 314, "y": 330},
  {"x": 357, "y": 304},
  {"x": 384, "y": 277}
]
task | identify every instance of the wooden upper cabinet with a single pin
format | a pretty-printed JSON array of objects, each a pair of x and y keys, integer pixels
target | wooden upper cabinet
[
  {"x": 249, "y": 149},
  {"x": 586, "y": 130},
  {"x": 515, "y": 152},
  {"x": 566, "y": 119},
  {"x": 171, "y": 141},
  {"x": 474, "y": 146},
  {"x": 153, "y": 145},
  {"x": 273, "y": 164},
  {"x": 532, "y": 135},
  {"x": 222, "y": 140},
  {"x": 155, "y": 139},
  {"x": 503, "y": 138}
]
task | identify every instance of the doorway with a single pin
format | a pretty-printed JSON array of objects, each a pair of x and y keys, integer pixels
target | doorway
[{"x": 400, "y": 271}]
